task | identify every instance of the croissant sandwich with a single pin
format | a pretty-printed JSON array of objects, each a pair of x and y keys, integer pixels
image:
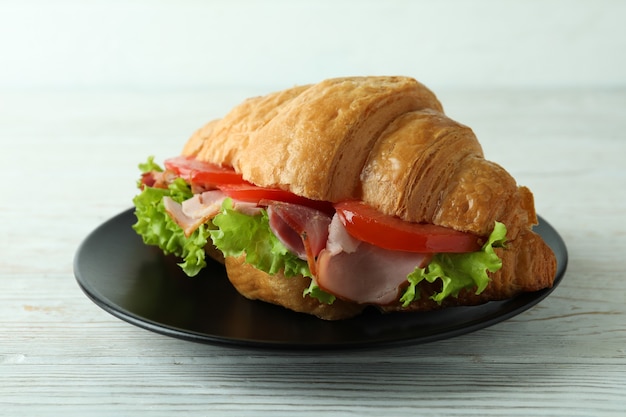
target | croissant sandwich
[{"x": 353, "y": 192}]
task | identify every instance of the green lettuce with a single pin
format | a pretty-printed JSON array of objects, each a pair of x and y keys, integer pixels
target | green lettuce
[
  {"x": 237, "y": 234},
  {"x": 316, "y": 292},
  {"x": 149, "y": 166},
  {"x": 458, "y": 271},
  {"x": 157, "y": 228}
]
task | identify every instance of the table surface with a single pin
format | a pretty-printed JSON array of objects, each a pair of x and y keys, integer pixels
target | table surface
[{"x": 68, "y": 163}]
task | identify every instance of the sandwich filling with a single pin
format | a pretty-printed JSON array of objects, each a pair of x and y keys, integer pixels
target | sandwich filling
[{"x": 350, "y": 251}]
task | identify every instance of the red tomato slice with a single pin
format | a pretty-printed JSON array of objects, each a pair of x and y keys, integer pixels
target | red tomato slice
[
  {"x": 217, "y": 177},
  {"x": 253, "y": 194},
  {"x": 203, "y": 173},
  {"x": 369, "y": 225},
  {"x": 233, "y": 185}
]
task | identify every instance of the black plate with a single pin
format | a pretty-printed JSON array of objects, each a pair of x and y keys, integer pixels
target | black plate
[{"x": 140, "y": 285}]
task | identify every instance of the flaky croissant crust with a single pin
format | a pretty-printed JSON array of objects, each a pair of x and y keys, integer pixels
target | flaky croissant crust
[{"x": 385, "y": 141}]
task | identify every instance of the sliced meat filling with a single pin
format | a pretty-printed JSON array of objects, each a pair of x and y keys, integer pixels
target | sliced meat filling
[
  {"x": 197, "y": 210},
  {"x": 361, "y": 272},
  {"x": 303, "y": 230}
]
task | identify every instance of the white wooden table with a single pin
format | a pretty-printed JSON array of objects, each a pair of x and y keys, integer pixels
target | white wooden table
[{"x": 68, "y": 163}]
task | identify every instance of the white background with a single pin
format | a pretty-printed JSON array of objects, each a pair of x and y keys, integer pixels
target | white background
[{"x": 193, "y": 44}]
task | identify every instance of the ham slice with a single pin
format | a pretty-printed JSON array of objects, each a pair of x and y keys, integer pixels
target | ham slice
[
  {"x": 303, "y": 230},
  {"x": 158, "y": 179},
  {"x": 204, "y": 205},
  {"x": 195, "y": 211},
  {"x": 360, "y": 272}
]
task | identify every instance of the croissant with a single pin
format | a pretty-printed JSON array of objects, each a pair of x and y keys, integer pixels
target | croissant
[{"x": 385, "y": 142}]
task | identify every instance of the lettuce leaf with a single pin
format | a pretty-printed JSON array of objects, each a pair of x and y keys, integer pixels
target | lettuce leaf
[
  {"x": 458, "y": 271},
  {"x": 157, "y": 228},
  {"x": 237, "y": 234},
  {"x": 149, "y": 165},
  {"x": 316, "y": 292}
]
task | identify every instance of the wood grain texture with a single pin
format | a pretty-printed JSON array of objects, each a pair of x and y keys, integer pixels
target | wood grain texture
[{"x": 68, "y": 163}]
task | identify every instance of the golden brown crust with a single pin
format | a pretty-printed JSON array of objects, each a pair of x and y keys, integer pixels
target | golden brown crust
[
  {"x": 428, "y": 168},
  {"x": 412, "y": 163},
  {"x": 312, "y": 140},
  {"x": 330, "y": 128},
  {"x": 387, "y": 142}
]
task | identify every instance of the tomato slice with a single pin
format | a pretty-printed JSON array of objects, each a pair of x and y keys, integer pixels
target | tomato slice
[
  {"x": 254, "y": 194},
  {"x": 233, "y": 185},
  {"x": 203, "y": 173},
  {"x": 216, "y": 177},
  {"x": 369, "y": 225}
]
